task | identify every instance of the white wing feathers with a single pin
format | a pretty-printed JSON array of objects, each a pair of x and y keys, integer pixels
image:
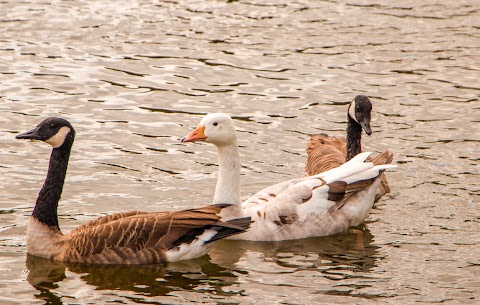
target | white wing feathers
[{"x": 311, "y": 206}]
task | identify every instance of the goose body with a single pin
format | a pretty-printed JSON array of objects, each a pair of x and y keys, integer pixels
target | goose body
[
  {"x": 318, "y": 205},
  {"x": 133, "y": 237},
  {"x": 326, "y": 152}
]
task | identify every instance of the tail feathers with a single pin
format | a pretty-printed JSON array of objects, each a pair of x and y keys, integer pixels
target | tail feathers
[
  {"x": 241, "y": 223},
  {"x": 385, "y": 157},
  {"x": 357, "y": 169},
  {"x": 354, "y": 166},
  {"x": 231, "y": 227},
  {"x": 372, "y": 172}
]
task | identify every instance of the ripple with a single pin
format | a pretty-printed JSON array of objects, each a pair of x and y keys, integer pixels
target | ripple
[{"x": 133, "y": 78}]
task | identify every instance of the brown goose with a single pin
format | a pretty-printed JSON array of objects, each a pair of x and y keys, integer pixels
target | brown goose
[
  {"x": 125, "y": 238},
  {"x": 325, "y": 152}
]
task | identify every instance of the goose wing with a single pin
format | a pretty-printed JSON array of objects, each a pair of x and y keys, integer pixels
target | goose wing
[
  {"x": 109, "y": 218},
  {"x": 324, "y": 153},
  {"x": 146, "y": 238},
  {"x": 312, "y": 206}
]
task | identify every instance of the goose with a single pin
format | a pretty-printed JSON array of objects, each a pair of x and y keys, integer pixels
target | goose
[
  {"x": 326, "y": 152},
  {"x": 318, "y": 205},
  {"x": 133, "y": 237}
]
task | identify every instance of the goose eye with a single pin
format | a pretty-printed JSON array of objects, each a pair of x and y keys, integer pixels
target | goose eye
[
  {"x": 52, "y": 125},
  {"x": 215, "y": 123}
]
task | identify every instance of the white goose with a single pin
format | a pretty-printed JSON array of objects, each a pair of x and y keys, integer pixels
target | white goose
[{"x": 319, "y": 205}]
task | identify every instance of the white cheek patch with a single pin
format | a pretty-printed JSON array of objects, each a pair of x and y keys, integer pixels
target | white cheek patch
[
  {"x": 351, "y": 111},
  {"x": 58, "y": 139}
]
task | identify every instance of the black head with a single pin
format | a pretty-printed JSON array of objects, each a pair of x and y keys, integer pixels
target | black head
[
  {"x": 360, "y": 110},
  {"x": 54, "y": 131}
]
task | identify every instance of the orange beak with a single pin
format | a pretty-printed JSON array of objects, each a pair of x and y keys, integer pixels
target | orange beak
[{"x": 197, "y": 135}]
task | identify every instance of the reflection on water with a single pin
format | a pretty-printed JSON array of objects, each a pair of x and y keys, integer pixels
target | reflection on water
[
  {"x": 338, "y": 257},
  {"x": 135, "y": 76},
  {"x": 43, "y": 274},
  {"x": 146, "y": 280},
  {"x": 352, "y": 250}
]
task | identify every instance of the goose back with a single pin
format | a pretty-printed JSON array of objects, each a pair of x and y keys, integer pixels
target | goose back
[
  {"x": 324, "y": 153},
  {"x": 140, "y": 237}
]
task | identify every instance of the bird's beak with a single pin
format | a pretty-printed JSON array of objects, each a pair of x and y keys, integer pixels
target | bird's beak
[
  {"x": 197, "y": 135},
  {"x": 31, "y": 134},
  {"x": 366, "y": 126}
]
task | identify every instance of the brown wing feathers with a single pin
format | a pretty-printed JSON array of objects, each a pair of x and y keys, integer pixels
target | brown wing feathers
[
  {"x": 324, "y": 153},
  {"x": 336, "y": 191},
  {"x": 109, "y": 218},
  {"x": 144, "y": 238}
]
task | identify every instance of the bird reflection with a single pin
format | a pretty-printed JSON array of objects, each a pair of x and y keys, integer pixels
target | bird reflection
[
  {"x": 335, "y": 257},
  {"x": 149, "y": 280},
  {"x": 43, "y": 274},
  {"x": 352, "y": 250}
]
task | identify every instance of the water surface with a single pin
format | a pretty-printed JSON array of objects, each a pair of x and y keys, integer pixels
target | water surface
[{"x": 135, "y": 76}]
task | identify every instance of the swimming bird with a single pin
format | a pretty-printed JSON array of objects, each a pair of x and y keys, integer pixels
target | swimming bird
[
  {"x": 318, "y": 205},
  {"x": 133, "y": 237},
  {"x": 326, "y": 152}
]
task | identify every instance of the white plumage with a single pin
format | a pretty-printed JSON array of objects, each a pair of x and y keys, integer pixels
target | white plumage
[
  {"x": 198, "y": 248},
  {"x": 319, "y": 205}
]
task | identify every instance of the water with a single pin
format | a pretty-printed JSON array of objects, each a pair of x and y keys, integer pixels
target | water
[{"x": 135, "y": 76}]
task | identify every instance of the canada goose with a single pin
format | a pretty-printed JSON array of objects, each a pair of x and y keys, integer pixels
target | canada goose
[
  {"x": 318, "y": 205},
  {"x": 133, "y": 237},
  {"x": 325, "y": 152}
]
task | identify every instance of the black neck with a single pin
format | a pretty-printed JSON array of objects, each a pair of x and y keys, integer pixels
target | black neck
[
  {"x": 354, "y": 138},
  {"x": 45, "y": 209}
]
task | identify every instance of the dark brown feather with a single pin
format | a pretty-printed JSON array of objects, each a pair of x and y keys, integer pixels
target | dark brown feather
[
  {"x": 143, "y": 238},
  {"x": 288, "y": 219},
  {"x": 359, "y": 185},
  {"x": 230, "y": 227},
  {"x": 336, "y": 191}
]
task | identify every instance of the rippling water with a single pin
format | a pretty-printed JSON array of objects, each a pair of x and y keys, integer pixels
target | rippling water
[{"x": 135, "y": 76}]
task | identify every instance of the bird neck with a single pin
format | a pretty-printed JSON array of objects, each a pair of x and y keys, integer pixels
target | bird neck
[
  {"x": 45, "y": 209},
  {"x": 354, "y": 138},
  {"x": 228, "y": 183}
]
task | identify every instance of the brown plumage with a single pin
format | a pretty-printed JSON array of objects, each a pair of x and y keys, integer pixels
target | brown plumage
[
  {"x": 124, "y": 238},
  {"x": 138, "y": 237},
  {"x": 325, "y": 152}
]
